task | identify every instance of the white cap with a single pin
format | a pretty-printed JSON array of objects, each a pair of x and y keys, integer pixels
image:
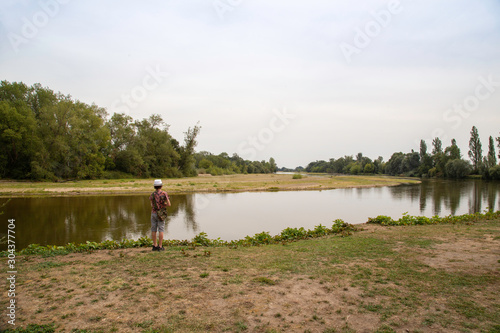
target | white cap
[{"x": 158, "y": 182}]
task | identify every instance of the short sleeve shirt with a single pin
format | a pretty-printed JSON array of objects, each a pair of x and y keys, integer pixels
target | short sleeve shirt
[{"x": 161, "y": 200}]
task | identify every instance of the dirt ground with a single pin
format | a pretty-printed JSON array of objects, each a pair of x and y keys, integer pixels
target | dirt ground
[{"x": 134, "y": 290}]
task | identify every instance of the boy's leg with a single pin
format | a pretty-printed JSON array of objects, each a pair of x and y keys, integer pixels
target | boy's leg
[
  {"x": 153, "y": 237},
  {"x": 161, "y": 239},
  {"x": 154, "y": 227},
  {"x": 161, "y": 229}
]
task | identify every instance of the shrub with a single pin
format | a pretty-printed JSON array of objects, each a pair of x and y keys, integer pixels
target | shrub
[
  {"x": 293, "y": 233},
  {"x": 355, "y": 169},
  {"x": 457, "y": 169},
  {"x": 381, "y": 219},
  {"x": 494, "y": 172},
  {"x": 201, "y": 239},
  {"x": 422, "y": 220},
  {"x": 320, "y": 230},
  {"x": 297, "y": 176}
]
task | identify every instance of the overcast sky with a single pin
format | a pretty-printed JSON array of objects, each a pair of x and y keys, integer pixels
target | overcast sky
[{"x": 295, "y": 80}]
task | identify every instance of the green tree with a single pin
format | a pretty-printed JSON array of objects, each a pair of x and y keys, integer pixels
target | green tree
[
  {"x": 369, "y": 168},
  {"x": 423, "y": 149},
  {"x": 272, "y": 165},
  {"x": 457, "y": 169},
  {"x": 88, "y": 140},
  {"x": 18, "y": 137},
  {"x": 400, "y": 163},
  {"x": 378, "y": 165},
  {"x": 453, "y": 152},
  {"x": 395, "y": 164},
  {"x": 355, "y": 168},
  {"x": 205, "y": 164},
  {"x": 491, "y": 160},
  {"x": 74, "y": 139},
  {"x": 475, "y": 149},
  {"x": 438, "y": 158},
  {"x": 425, "y": 159},
  {"x": 186, "y": 161},
  {"x": 18, "y": 141},
  {"x": 156, "y": 148},
  {"x": 498, "y": 146},
  {"x": 437, "y": 146}
]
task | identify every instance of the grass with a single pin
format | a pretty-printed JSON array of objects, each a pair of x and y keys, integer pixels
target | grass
[
  {"x": 381, "y": 279},
  {"x": 229, "y": 183}
]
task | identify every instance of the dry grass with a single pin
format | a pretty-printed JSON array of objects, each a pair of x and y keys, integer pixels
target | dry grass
[
  {"x": 437, "y": 278},
  {"x": 202, "y": 183}
]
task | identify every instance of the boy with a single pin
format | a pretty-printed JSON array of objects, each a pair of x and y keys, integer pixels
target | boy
[{"x": 159, "y": 200}]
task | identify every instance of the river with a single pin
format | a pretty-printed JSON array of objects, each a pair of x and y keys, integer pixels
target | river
[{"x": 60, "y": 220}]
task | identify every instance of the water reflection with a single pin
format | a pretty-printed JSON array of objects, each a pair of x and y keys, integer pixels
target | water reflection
[
  {"x": 77, "y": 219},
  {"x": 235, "y": 215},
  {"x": 447, "y": 196}
]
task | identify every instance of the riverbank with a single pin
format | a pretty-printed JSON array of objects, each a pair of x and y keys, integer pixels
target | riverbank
[
  {"x": 202, "y": 183},
  {"x": 380, "y": 279}
]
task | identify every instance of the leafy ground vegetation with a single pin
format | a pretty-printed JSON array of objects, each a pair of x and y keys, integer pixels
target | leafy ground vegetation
[{"x": 439, "y": 275}]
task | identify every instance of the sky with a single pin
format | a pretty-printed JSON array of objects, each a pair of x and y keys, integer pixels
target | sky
[{"x": 298, "y": 81}]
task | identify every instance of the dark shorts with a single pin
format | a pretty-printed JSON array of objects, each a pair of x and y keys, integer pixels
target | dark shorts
[{"x": 157, "y": 224}]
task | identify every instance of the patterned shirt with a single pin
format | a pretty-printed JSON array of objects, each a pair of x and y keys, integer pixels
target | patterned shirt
[{"x": 161, "y": 200}]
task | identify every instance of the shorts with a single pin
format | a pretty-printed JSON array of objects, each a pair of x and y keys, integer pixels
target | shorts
[{"x": 157, "y": 224}]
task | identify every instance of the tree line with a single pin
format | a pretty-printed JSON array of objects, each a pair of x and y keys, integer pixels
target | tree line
[
  {"x": 440, "y": 162},
  {"x": 49, "y": 136},
  {"x": 223, "y": 164}
]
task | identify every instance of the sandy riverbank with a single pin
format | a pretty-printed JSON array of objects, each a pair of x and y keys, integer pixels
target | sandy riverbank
[{"x": 202, "y": 183}]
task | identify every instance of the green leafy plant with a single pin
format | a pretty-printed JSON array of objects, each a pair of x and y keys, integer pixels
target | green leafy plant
[
  {"x": 339, "y": 227},
  {"x": 422, "y": 220}
]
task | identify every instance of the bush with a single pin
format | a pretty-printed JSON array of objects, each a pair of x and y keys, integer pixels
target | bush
[
  {"x": 297, "y": 176},
  {"x": 494, "y": 172},
  {"x": 293, "y": 233},
  {"x": 355, "y": 169},
  {"x": 201, "y": 239},
  {"x": 457, "y": 169},
  {"x": 369, "y": 168},
  {"x": 422, "y": 220}
]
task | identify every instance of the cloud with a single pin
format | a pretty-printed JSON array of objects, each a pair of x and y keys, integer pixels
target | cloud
[{"x": 231, "y": 72}]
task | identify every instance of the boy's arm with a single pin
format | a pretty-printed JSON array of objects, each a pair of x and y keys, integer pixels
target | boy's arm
[{"x": 167, "y": 199}]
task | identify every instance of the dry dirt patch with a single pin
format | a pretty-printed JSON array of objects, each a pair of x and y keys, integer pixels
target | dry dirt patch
[
  {"x": 470, "y": 255},
  {"x": 132, "y": 290}
]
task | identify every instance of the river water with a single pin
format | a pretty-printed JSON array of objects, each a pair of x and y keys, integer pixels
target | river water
[{"x": 60, "y": 220}]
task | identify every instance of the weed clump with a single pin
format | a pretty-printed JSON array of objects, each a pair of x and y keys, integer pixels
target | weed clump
[{"x": 422, "y": 220}]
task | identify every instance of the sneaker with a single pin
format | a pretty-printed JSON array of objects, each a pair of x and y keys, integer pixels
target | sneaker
[
  {"x": 160, "y": 248},
  {"x": 155, "y": 248}
]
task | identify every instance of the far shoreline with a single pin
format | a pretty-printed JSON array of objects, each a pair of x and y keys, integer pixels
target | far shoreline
[{"x": 201, "y": 184}]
